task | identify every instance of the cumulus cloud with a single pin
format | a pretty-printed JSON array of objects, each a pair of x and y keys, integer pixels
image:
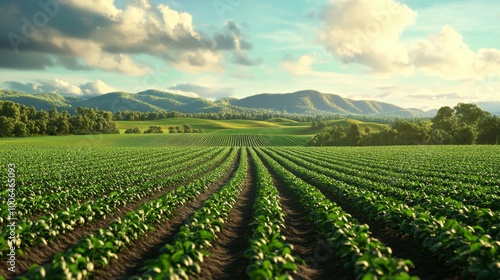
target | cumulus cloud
[
  {"x": 300, "y": 66},
  {"x": 92, "y": 88},
  {"x": 369, "y": 33},
  {"x": 364, "y": 31},
  {"x": 203, "y": 91},
  {"x": 97, "y": 34}
]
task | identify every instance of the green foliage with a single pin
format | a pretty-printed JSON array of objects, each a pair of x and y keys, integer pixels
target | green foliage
[
  {"x": 19, "y": 121},
  {"x": 464, "y": 124},
  {"x": 154, "y": 129},
  {"x": 133, "y": 130}
]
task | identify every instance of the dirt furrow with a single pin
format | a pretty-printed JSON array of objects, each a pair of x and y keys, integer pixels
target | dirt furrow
[
  {"x": 320, "y": 260},
  {"x": 427, "y": 265},
  {"x": 42, "y": 254},
  {"x": 130, "y": 261},
  {"x": 227, "y": 260}
]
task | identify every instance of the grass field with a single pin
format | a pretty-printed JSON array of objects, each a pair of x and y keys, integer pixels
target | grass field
[{"x": 273, "y": 132}]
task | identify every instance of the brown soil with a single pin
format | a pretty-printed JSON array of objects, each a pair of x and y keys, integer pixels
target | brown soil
[
  {"x": 227, "y": 260},
  {"x": 320, "y": 259},
  {"x": 42, "y": 254},
  {"x": 130, "y": 261},
  {"x": 427, "y": 264}
]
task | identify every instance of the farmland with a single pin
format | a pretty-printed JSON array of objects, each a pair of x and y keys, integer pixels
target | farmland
[{"x": 247, "y": 208}]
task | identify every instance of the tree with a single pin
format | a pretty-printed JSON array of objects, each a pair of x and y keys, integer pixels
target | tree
[
  {"x": 353, "y": 135},
  {"x": 133, "y": 130},
  {"x": 445, "y": 119},
  {"x": 187, "y": 128},
  {"x": 7, "y": 126},
  {"x": 465, "y": 135},
  {"x": 470, "y": 114},
  {"x": 154, "y": 129},
  {"x": 11, "y": 110},
  {"x": 20, "y": 129},
  {"x": 489, "y": 130}
]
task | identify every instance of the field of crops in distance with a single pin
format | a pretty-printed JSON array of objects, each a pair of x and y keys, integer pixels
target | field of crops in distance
[
  {"x": 160, "y": 140},
  {"x": 428, "y": 212}
]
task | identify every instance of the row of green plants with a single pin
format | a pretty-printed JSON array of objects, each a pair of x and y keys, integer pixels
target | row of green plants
[
  {"x": 94, "y": 251},
  {"x": 269, "y": 254},
  {"x": 183, "y": 257},
  {"x": 416, "y": 172},
  {"x": 72, "y": 191},
  {"x": 49, "y": 227},
  {"x": 359, "y": 251},
  {"x": 466, "y": 164},
  {"x": 227, "y": 140},
  {"x": 391, "y": 187},
  {"x": 472, "y": 248}
]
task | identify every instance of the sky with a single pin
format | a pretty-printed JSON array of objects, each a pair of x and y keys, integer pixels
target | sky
[{"x": 411, "y": 53}]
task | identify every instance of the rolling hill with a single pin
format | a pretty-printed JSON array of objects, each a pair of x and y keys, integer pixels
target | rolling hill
[
  {"x": 313, "y": 102},
  {"x": 307, "y": 102}
]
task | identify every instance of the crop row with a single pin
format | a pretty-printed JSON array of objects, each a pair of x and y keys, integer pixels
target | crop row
[
  {"x": 49, "y": 227},
  {"x": 468, "y": 247},
  {"x": 94, "y": 251},
  {"x": 191, "y": 243},
  {"x": 400, "y": 190},
  {"x": 222, "y": 140},
  {"x": 270, "y": 256},
  {"x": 73, "y": 191},
  {"x": 478, "y": 195},
  {"x": 367, "y": 256}
]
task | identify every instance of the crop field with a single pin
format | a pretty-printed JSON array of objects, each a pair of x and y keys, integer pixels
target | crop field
[{"x": 246, "y": 210}]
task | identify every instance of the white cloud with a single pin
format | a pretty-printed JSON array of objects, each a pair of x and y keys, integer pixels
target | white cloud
[
  {"x": 197, "y": 90},
  {"x": 301, "y": 66},
  {"x": 91, "y": 88},
  {"x": 96, "y": 88},
  {"x": 369, "y": 33}
]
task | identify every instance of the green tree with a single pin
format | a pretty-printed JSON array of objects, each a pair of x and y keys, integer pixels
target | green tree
[
  {"x": 154, "y": 129},
  {"x": 470, "y": 114},
  {"x": 20, "y": 129},
  {"x": 133, "y": 130},
  {"x": 465, "y": 135},
  {"x": 353, "y": 135},
  {"x": 489, "y": 130},
  {"x": 446, "y": 120},
  {"x": 7, "y": 126}
]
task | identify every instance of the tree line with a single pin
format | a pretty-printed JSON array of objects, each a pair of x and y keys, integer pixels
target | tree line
[
  {"x": 254, "y": 114},
  {"x": 17, "y": 120},
  {"x": 462, "y": 124},
  {"x": 186, "y": 128}
]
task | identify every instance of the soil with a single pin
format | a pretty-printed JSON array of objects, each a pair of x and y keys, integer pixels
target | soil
[
  {"x": 227, "y": 260},
  {"x": 42, "y": 254},
  {"x": 130, "y": 261}
]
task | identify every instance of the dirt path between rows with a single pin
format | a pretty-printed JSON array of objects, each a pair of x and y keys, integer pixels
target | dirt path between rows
[
  {"x": 227, "y": 260},
  {"x": 427, "y": 264},
  {"x": 320, "y": 259},
  {"x": 130, "y": 261},
  {"x": 42, "y": 254}
]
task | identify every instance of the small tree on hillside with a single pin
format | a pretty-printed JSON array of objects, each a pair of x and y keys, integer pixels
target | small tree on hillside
[
  {"x": 133, "y": 130},
  {"x": 154, "y": 129}
]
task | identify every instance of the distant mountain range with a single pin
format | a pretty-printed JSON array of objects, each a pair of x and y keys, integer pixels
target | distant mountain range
[{"x": 301, "y": 102}]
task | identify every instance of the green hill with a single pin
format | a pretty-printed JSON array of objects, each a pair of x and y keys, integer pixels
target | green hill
[
  {"x": 313, "y": 102},
  {"x": 39, "y": 101},
  {"x": 307, "y": 102}
]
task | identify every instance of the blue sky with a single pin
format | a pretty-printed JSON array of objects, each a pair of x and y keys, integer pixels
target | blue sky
[{"x": 422, "y": 54}]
